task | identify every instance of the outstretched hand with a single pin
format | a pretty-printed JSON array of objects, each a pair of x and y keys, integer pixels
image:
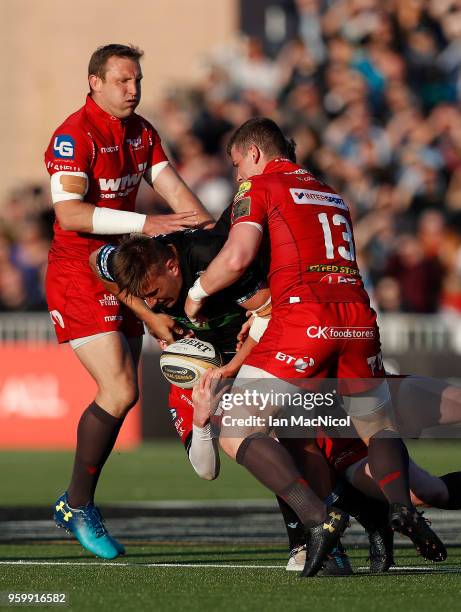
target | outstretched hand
[{"x": 165, "y": 224}]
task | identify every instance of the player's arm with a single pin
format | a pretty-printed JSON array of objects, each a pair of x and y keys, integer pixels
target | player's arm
[
  {"x": 203, "y": 451},
  {"x": 259, "y": 308},
  {"x": 227, "y": 267},
  {"x": 76, "y": 215},
  {"x": 177, "y": 194},
  {"x": 70, "y": 186},
  {"x": 79, "y": 216},
  {"x": 160, "y": 326}
]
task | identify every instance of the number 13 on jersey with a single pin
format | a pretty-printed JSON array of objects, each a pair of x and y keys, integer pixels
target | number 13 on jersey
[{"x": 347, "y": 250}]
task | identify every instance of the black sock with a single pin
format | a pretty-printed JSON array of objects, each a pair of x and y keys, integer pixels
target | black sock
[
  {"x": 388, "y": 461},
  {"x": 294, "y": 527},
  {"x": 273, "y": 466},
  {"x": 96, "y": 435},
  {"x": 453, "y": 484},
  {"x": 369, "y": 512}
]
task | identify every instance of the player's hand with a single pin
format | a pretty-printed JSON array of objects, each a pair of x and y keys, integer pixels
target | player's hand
[
  {"x": 222, "y": 373},
  {"x": 192, "y": 309},
  {"x": 206, "y": 396},
  {"x": 244, "y": 331},
  {"x": 163, "y": 328},
  {"x": 165, "y": 224}
]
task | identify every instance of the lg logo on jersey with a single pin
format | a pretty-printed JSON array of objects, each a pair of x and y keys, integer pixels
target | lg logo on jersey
[
  {"x": 64, "y": 146},
  {"x": 341, "y": 333},
  {"x": 300, "y": 364}
]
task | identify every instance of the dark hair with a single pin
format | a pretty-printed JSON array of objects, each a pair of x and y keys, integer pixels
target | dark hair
[
  {"x": 291, "y": 149},
  {"x": 98, "y": 60},
  {"x": 135, "y": 259},
  {"x": 262, "y": 132}
]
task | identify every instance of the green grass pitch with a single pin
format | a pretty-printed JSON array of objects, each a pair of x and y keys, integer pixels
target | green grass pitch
[
  {"x": 170, "y": 576},
  {"x": 135, "y": 583}
]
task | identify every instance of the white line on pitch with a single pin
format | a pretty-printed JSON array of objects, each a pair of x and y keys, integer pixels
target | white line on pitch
[
  {"x": 114, "y": 564},
  {"x": 413, "y": 568}
]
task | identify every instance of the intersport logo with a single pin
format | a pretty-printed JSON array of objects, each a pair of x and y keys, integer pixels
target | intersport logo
[{"x": 341, "y": 333}]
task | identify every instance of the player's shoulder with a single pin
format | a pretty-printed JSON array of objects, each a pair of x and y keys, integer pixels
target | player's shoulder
[
  {"x": 197, "y": 248},
  {"x": 69, "y": 137},
  {"x": 73, "y": 124}
]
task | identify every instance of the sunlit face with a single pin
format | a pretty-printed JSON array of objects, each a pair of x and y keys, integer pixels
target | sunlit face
[
  {"x": 163, "y": 288},
  {"x": 119, "y": 92},
  {"x": 247, "y": 164}
]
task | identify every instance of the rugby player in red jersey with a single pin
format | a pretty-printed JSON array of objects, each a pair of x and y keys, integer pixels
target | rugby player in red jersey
[
  {"x": 96, "y": 159},
  {"x": 314, "y": 282}
]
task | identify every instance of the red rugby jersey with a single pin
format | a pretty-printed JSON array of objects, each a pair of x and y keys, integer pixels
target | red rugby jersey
[
  {"x": 113, "y": 154},
  {"x": 312, "y": 245}
]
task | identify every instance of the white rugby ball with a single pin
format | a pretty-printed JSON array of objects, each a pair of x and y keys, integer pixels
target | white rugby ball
[{"x": 183, "y": 362}]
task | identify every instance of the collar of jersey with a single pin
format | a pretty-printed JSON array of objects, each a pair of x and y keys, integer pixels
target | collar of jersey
[
  {"x": 96, "y": 111},
  {"x": 279, "y": 164}
]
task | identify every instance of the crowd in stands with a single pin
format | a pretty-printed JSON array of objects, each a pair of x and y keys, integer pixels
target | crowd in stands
[{"x": 370, "y": 91}]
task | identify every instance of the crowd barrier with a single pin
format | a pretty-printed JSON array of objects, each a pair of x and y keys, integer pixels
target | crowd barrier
[{"x": 43, "y": 387}]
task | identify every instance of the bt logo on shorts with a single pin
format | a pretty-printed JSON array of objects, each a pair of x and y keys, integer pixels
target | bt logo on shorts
[
  {"x": 63, "y": 146},
  {"x": 300, "y": 364},
  {"x": 341, "y": 333}
]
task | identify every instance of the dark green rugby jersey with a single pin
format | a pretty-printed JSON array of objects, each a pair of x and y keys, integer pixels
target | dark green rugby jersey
[{"x": 196, "y": 249}]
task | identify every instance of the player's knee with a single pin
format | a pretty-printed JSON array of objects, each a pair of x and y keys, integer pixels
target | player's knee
[{"x": 120, "y": 398}]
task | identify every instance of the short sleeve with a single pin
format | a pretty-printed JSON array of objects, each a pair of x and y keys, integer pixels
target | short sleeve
[
  {"x": 68, "y": 159},
  {"x": 157, "y": 159},
  {"x": 250, "y": 205}
]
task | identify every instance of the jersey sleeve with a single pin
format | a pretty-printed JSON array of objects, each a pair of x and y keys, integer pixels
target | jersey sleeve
[
  {"x": 157, "y": 159},
  {"x": 68, "y": 159},
  {"x": 250, "y": 205}
]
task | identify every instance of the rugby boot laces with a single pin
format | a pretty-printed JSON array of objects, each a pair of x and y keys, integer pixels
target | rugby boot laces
[
  {"x": 321, "y": 540},
  {"x": 118, "y": 545},
  {"x": 381, "y": 548},
  {"x": 337, "y": 563},
  {"x": 87, "y": 525},
  {"x": 411, "y": 523}
]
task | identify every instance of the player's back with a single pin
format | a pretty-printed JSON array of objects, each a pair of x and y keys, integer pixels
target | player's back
[{"x": 310, "y": 228}]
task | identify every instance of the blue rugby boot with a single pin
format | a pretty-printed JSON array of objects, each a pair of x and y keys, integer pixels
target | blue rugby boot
[
  {"x": 87, "y": 526},
  {"x": 116, "y": 543}
]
